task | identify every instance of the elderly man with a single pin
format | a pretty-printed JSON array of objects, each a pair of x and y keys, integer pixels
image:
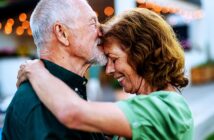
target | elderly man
[{"x": 66, "y": 33}]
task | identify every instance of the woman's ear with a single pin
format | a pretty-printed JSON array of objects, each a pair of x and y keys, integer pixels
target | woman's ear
[{"x": 61, "y": 33}]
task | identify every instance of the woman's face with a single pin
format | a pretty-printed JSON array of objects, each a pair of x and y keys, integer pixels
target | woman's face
[{"x": 119, "y": 68}]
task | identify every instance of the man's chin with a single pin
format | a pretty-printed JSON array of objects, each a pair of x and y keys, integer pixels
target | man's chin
[
  {"x": 99, "y": 57},
  {"x": 100, "y": 63},
  {"x": 102, "y": 60}
]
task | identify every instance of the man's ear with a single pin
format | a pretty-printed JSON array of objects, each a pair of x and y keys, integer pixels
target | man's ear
[{"x": 61, "y": 33}]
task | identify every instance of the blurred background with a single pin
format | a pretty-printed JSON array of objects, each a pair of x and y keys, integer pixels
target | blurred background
[{"x": 192, "y": 20}]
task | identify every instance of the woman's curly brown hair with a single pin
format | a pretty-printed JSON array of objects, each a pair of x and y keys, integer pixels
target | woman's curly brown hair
[{"x": 151, "y": 46}]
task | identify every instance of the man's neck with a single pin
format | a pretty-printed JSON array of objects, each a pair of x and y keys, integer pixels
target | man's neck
[{"x": 72, "y": 64}]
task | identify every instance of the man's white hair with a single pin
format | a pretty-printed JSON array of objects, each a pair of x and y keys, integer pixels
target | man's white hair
[{"x": 46, "y": 13}]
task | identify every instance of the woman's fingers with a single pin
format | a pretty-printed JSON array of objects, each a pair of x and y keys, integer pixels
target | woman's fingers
[
  {"x": 21, "y": 75},
  {"x": 20, "y": 80},
  {"x": 30, "y": 66}
]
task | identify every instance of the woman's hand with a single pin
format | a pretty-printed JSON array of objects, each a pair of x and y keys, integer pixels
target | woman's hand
[{"x": 30, "y": 68}]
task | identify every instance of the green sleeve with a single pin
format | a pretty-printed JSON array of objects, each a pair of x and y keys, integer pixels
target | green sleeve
[{"x": 161, "y": 115}]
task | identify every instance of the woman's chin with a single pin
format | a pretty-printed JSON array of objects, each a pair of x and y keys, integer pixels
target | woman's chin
[{"x": 127, "y": 90}]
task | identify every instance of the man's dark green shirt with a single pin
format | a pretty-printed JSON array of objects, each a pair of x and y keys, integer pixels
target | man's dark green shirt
[{"x": 28, "y": 119}]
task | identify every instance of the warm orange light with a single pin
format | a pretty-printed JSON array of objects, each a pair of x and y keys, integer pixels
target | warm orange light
[
  {"x": 140, "y": 1},
  {"x": 97, "y": 13},
  {"x": 0, "y": 25},
  {"x": 198, "y": 14},
  {"x": 170, "y": 10},
  {"x": 25, "y": 24},
  {"x": 142, "y": 5},
  {"x": 10, "y": 22},
  {"x": 22, "y": 17},
  {"x": 29, "y": 32},
  {"x": 165, "y": 10},
  {"x": 176, "y": 10},
  {"x": 157, "y": 8},
  {"x": 8, "y": 29},
  {"x": 149, "y": 5},
  {"x": 109, "y": 11},
  {"x": 19, "y": 30},
  {"x": 173, "y": 10}
]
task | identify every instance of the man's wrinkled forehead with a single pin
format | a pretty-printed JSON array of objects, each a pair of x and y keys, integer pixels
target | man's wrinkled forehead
[
  {"x": 91, "y": 12},
  {"x": 83, "y": 4}
]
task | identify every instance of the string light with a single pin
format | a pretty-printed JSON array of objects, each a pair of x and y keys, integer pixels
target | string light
[
  {"x": 19, "y": 31},
  {"x": 157, "y": 8},
  {"x": 29, "y": 32},
  {"x": 165, "y": 10},
  {"x": 8, "y": 29},
  {"x": 25, "y": 24},
  {"x": 170, "y": 9},
  {"x": 141, "y": 1},
  {"x": 149, "y": 5},
  {"x": 22, "y": 17},
  {"x": 109, "y": 11},
  {"x": 142, "y": 5},
  {"x": 10, "y": 22}
]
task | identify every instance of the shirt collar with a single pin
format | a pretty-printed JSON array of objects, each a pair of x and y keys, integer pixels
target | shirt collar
[{"x": 73, "y": 80}]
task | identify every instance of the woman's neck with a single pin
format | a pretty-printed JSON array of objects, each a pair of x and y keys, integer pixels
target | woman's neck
[{"x": 146, "y": 89}]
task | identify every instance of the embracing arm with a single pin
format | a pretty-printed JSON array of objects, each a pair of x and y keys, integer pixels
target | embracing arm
[{"x": 73, "y": 111}]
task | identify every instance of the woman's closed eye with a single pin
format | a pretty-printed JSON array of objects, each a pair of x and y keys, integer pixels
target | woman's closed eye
[{"x": 113, "y": 60}]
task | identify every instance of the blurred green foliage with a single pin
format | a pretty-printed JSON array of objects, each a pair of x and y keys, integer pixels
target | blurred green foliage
[
  {"x": 211, "y": 137},
  {"x": 207, "y": 64}
]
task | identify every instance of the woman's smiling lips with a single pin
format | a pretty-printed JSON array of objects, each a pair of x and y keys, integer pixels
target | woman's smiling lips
[{"x": 120, "y": 79}]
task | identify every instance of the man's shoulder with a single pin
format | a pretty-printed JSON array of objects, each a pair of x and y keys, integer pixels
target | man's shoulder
[
  {"x": 25, "y": 94},
  {"x": 27, "y": 113},
  {"x": 24, "y": 101}
]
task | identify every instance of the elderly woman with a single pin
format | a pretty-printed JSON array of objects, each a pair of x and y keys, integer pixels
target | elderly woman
[{"x": 147, "y": 60}]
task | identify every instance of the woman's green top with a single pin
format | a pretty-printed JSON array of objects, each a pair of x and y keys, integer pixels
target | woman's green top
[{"x": 161, "y": 115}]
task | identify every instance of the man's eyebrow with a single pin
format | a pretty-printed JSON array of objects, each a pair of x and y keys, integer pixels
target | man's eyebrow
[{"x": 93, "y": 18}]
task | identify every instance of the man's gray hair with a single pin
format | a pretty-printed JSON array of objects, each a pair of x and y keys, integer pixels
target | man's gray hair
[{"x": 46, "y": 13}]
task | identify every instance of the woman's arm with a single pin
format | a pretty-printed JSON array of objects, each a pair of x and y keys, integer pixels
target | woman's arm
[{"x": 69, "y": 108}]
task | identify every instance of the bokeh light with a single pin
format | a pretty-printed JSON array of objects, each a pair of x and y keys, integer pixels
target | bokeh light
[
  {"x": 25, "y": 24},
  {"x": 19, "y": 31},
  {"x": 165, "y": 10},
  {"x": 8, "y": 29},
  {"x": 157, "y": 8},
  {"x": 149, "y": 5},
  {"x": 0, "y": 25},
  {"x": 10, "y": 22},
  {"x": 109, "y": 11},
  {"x": 29, "y": 31},
  {"x": 22, "y": 17}
]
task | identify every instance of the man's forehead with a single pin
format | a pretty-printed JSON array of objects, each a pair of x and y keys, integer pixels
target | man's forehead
[
  {"x": 94, "y": 15},
  {"x": 91, "y": 16}
]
